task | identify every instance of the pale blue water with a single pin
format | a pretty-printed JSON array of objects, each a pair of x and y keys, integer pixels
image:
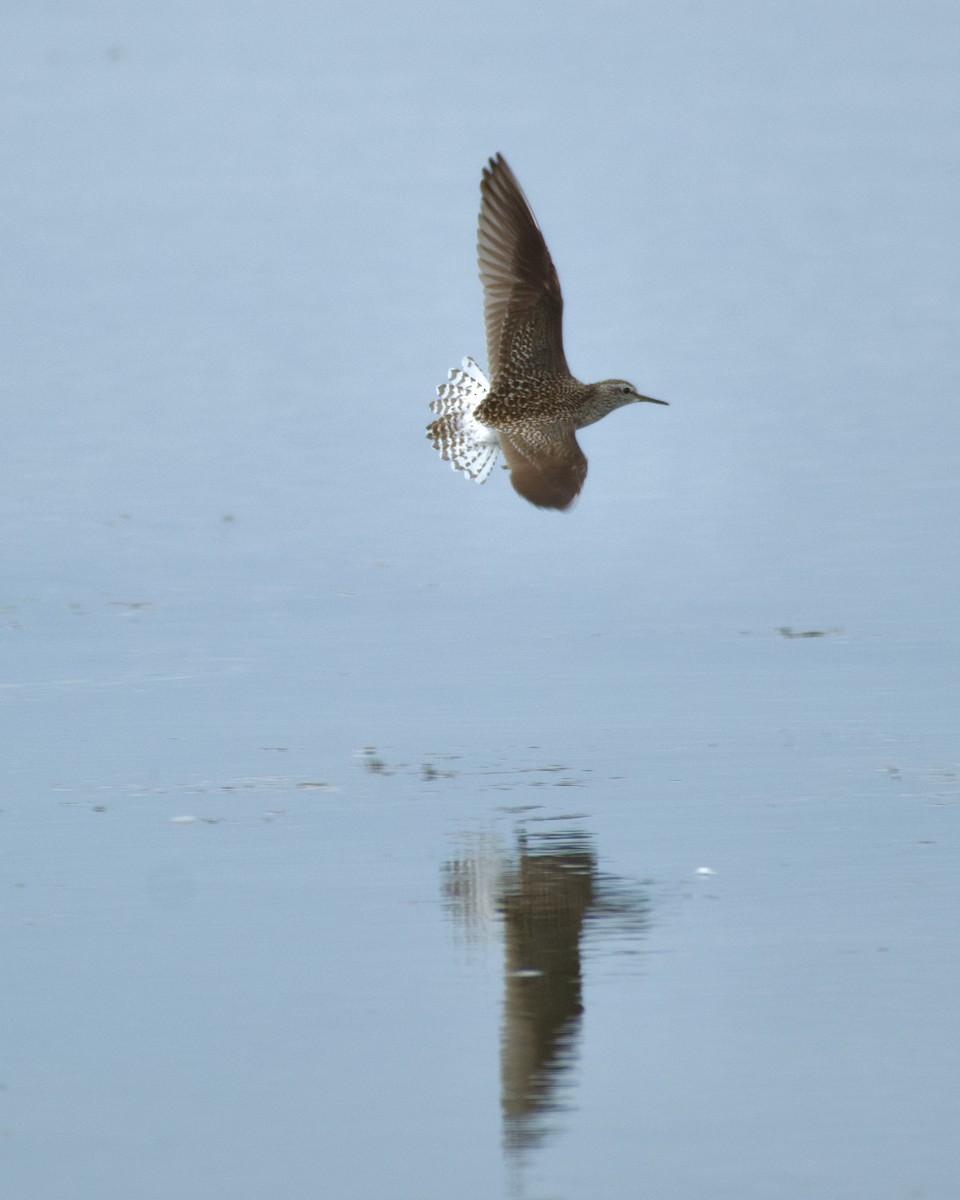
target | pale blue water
[{"x": 370, "y": 835}]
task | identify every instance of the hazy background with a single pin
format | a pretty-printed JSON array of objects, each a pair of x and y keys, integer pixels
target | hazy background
[{"x": 352, "y": 814}]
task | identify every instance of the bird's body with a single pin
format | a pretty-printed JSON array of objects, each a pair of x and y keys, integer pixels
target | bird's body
[{"x": 534, "y": 406}]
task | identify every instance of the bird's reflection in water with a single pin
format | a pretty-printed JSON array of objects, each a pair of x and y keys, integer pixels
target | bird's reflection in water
[{"x": 549, "y": 897}]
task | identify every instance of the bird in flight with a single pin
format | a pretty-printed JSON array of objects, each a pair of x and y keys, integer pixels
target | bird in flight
[{"x": 531, "y": 410}]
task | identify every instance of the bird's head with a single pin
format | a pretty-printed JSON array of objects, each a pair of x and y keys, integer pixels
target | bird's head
[{"x": 614, "y": 393}]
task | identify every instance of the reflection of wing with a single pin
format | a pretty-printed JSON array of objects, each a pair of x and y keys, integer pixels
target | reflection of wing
[
  {"x": 548, "y": 469},
  {"x": 523, "y": 304}
]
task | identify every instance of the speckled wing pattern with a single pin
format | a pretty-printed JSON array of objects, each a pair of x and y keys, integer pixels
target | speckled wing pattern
[
  {"x": 523, "y": 304},
  {"x": 523, "y": 309}
]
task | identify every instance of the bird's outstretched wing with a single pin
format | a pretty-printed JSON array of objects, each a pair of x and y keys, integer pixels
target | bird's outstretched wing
[
  {"x": 547, "y": 469},
  {"x": 523, "y": 304}
]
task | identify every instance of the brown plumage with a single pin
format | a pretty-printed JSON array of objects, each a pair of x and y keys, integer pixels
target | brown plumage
[{"x": 534, "y": 406}]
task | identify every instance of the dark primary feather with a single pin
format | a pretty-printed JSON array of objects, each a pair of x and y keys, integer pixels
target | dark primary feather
[{"x": 523, "y": 304}]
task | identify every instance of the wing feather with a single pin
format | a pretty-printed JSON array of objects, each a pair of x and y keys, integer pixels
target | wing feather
[
  {"x": 550, "y": 471},
  {"x": 523, "y": 304}
]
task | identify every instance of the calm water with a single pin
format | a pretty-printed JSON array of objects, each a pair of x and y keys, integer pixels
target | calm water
[{"x": 373, "y": 836}]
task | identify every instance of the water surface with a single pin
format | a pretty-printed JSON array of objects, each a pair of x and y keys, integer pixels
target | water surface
[{"x": 370, "y": 835}]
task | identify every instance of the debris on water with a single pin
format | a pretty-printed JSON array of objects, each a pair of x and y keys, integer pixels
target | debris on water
[
  {"x": 373, "y": 762},
  {"x": 788, "y": 632}
]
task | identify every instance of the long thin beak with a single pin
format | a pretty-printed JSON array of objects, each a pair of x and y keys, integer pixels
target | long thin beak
[{"x": 650, "y": 400}]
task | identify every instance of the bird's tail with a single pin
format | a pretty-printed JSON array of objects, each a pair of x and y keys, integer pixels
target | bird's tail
[{"x": 462, "y": 440}]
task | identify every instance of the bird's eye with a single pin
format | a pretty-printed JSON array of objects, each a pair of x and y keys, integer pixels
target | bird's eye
[{"x": 626, "y": 390}]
